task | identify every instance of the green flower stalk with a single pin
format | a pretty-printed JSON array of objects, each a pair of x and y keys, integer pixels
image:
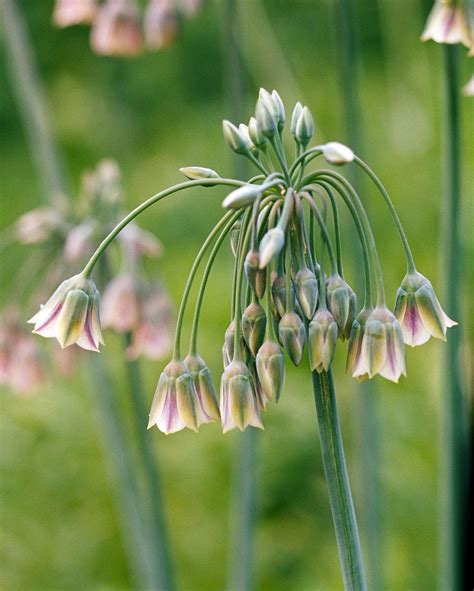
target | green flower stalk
[{"x": 285, "y": 295}]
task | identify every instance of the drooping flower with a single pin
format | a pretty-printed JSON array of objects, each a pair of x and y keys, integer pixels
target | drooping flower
[
  {"x": 78, "y": 244},
  {"x": 38, "y": 225},
  {"x": 382, "y": 347},
  {"x": 292, "y": 335},
  {"x": 322, "y": 338},
  {"x": 342, "y": 303},
  {"x": 116, "y": 29},
  {"x": 204, "y": 386},
  {"x": 306, "y": 288},
  {"x": 74, "y": 12},
  {"x": 419, "y": 312},
  {"x": 120, "y": 306},
  {"x": 254, "y": 322},
  {"x": 176, "y": 404},
  {"x": 238, "y": 402},
  {"x": 271, "y": 369},
  {"x": 160, "y": 24},
  {"x": 71, "y": 314},
  {"x": 354, "y": 348},
  {"x": 447, "y": 23}
]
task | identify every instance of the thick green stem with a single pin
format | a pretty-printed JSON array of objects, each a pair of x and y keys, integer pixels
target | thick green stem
[
  {"x": 161, "y": 562},
  {"x": 454, "y": 446},
  {"x": 337, "y": 480}
]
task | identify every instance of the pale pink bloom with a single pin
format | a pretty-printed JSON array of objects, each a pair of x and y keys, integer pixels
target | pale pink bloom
[
  {"x": 38, "y": 225},
  {"x": 137, "y": 242},
  {"x": 120, "y": 309},
  {"x": 71, "y": 314},
  {"x": 382, "y": 350},
  {"x": 26, "y": 372},
  {"x": 116, "y": 29},
  {"x": 176, "y": 404},
  {"x": 447, "y": 23},
  {"x": 74, "y": 12},
  {"x": 78, "y": 244},
  {"x": 239, "y": 405},
  {"x": 160, "y": 24},
  {"x": 419, "y": 312}
]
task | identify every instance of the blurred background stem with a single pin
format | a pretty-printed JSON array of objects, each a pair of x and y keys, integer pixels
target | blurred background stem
[
  {"x": 454, "y": 440},
  {"x": 143, "y": 536},
  {"x": 240, "y": 571},
  {"x": 349, "y": 61},
  {"x": 337, "y": 481}
]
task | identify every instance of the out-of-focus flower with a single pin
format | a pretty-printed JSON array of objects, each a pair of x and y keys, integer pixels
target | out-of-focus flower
[
  {"x": 152, "y": 337},
  {"x": 160, "y": 24},
  {"x": 448, "y": 23},
  {"x": 176, "y": 404},
  {"x": 137, "y": 242},
  {"x": 78, "y": 244},
  {"x": 239, "y": 404},
  {"x": 419, "y": 312},
  {"x": 120, "y": 305},
  {"x": 468, "y": 88},
  {"x": 116, "y": 29},
  {"x": 38, "y": 225},
  {"x": 104, "y": 183},
  {"x": 74, "y": 12},
  {"x": 71, "y": 314},
  {"x": 382, "y": 347},
  {"x": 322, "y": 338}
]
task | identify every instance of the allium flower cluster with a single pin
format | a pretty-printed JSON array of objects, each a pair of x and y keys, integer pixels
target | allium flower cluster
[
  {"x": 289, "y": 291},
  {"x": 121, "y": 27}
]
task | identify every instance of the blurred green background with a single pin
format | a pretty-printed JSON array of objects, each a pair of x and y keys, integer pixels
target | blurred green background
[{"x": 59, "y": 522}]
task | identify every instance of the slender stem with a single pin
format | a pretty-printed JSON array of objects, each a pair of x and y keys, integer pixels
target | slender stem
[
  {"x": 246, "y": 235},
  {"x": 160, "y": 558},
  {"x": 337, "y": 480},
  {"x": 337, "y": 228},
  {"x": 454, "y": 433},
  {"x": 31, "y": 100},
  {"x": 202, "y": 289},
  {"x": 324, "y": 231},
  {"x": 396, "y": 218},
  {"x": 304, "y": 159},
  {"x": 184, "y": 300}
]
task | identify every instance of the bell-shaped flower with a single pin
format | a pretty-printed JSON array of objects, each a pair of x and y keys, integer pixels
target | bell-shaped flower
[
  {"x": 292, "y": 335},
  {"x": 271, "y": 369},
  {"x": 355, "y": 342},
  {"x": 229, "y": 345},
  {"x": 71, "y": 314},
  {"x": 306, "y": 288},
  {"x": 204, "y": 386},
  {"x": 120, "y": 306},
  {"x": 254, "y": 322},
  {"x": 382, "y": 347},
  {"x": 239, "y": 405},
  {"x": 160, "y": 24},
  {"x": 419, "y": 312},
  {"x": 116, "y": 29},
  {"x": 176, "y": 404},
  {"x": 447, "y": 23},
  {"x": 342, "y": 303},
  {"x": 322, "y": 338},
  {"x": 74, "y": 12}
]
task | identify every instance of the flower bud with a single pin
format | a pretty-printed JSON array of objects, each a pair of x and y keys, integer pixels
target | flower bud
[
  {"x": 336, "y": 153},
  {"x": 238, "y": 404},
  {"x": 256, "y": 135},
  {"x": 294, "y": 117},
  {"x": 279, "y": 294},
  {"x": 355, "y": 342},
  {"x": 265, "y": 114},
  {"x": 280, "y": 110},
  {"x": 271, "y": 370},
  {"x": 229, "y": 342},
  {"x": 176, "y": 404},
  {"x": 271, "y": 246},
  {"x": 160, "y": 24},
  {"x": 342, "y": 303},
  {"x": 322, "y": 337},
  {"x": 71, "y": 314},
  {"x": 255, "y": 276},
  {"x": 235, "y": 139},
  {"x": 244, "y": 130},
  {"x": 234, "y": 237},
  {"x": 198, "y": 172},
  {"x": 292, "y": 336},
  {"x": 304, "y": 127},
  {"x": 254, "y": 322},
  {"x": 382, "y": 348},
  {"x": 306, "y": 287},
  {"x": 116, "y": 29},
  {"x": 243, "y": 196},
  {"x": 204, "y": 387},
  {"x": 447, "y": 23},
  {"x": 419, "y": 312}
]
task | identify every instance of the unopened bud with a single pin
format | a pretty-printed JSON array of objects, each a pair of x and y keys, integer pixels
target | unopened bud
[
  {"x": 243, "y": 196},
  {"x": 234, "y": 237},
  {"x": 292, "y": 336},
  {"x": 322, "y": 340},
  {"x": 265, "y": 115},
  {"x": 256, "y": 135},
  {"x": 336, "y": 153},
  {"x": 271, "y": 370},
  {"x": 271, "y": 246},
  {"x": 280, "y": 110},
  {"x": 306, "y": 286},
  {"x": 254, "y": 322},
  {"x": 304, "y": 127},
  {"x": 294, "y": 118},
  {"x": 235, "y": 139},
  {"x": 279, "y": 294},
  {"x": 342, "y": 303},
  {"x": 204, "y": 387},
  {"x": 198, "y": 172},
  {"x": 255, "y": 276}
]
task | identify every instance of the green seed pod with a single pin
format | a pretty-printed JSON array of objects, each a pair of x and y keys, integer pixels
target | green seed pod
[
  {"x": 306, "y": 287},
  {"x": 271, "y": 370},
  {"x": 292, "y": 336},
  {"x": 255, "y": 276},
  {"x": 198, "y": 172},
  {"x": 322, "y": 338},
  {"x": 235, "y": 139},
  {"x": 254, "y": 322}
]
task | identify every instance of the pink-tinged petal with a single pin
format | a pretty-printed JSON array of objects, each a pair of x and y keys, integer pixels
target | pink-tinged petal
[
  {"x": 86, "y": 339},
  {"x": 414, "y": 331},
  {"x": 47, "y": 325},
  {"x": 159, "y": 398},
  {"x": 391, "y": 369},
  {"x": 374, "y": 350},
  {"x": 170, "y": 420}
]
